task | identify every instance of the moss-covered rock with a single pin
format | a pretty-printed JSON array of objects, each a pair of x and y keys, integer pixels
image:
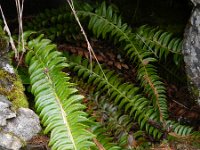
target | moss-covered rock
[{"x": 11, "y": 87}]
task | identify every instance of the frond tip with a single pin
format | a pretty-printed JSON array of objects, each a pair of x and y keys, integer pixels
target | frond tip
[{"x": 56, "y": 100}]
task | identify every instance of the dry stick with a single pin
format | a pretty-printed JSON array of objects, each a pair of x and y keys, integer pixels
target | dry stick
[
  {"x": 9, "y": 34},
  {"x": 20, "y": 7},
  {"x": 90, "y": 49}
]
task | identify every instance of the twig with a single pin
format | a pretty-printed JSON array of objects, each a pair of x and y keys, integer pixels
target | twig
[
  {"x": 90, "y": 49},
  {"x": 6, "y": 28},
  {"x": 20, "y": 7},
  {"x": 180, "y": 104}
]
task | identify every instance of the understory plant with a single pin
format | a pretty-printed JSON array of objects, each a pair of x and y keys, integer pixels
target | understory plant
[{"x": 135, "y": 112}]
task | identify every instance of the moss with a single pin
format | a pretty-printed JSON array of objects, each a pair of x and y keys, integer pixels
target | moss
[{"x": 11, "y": 86}]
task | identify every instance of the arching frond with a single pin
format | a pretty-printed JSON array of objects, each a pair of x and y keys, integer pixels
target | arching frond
[
  {"x": 106, "y": 23},
  {"x": 56, "y": 100},
  {"x": 124, "y": 95}
]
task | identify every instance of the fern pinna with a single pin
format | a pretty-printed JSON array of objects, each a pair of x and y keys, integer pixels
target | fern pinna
[
  {"x": 56, "y": 100},
  {"x": 105, "y": 22}
]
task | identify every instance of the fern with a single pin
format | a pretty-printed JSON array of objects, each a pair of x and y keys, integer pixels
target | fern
[
  {"x": 179, "y": 129},
  {"x": 124, "y": 95},
  {"x": 58, "y": 24},
  {"x": 103, "y": 140},
  {"x": 161, "y": 43},
  {"x": 56, "y": 100},
  {"x": 104, "y": 22},
  {"x": 56, "y": 105},
  {"x": 114, "y": 120},
  {"x": 116, "y": 123}
]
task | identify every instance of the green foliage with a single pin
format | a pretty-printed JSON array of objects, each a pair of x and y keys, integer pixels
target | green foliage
[
  {"x": 127, "y": 98},
  {"x": 56, "y": 100},
  {"x": 58, "y": 24},
  {"x": 103, "y": 139},
  {"x": 105, "y": 22},
  {"x": 59, "y": 105},
  {"x": 124, "y": 95},
  {"x": 161, "y": 43},
  {"x": 179, "y": 129},
  {"x": 115, "y": 121}
]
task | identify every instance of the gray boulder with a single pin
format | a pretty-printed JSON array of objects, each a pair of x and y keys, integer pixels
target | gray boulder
[
  {"x": 9, "y": 141},
  {"x": 5, "y": 111},
  {"x": 191, "y": 51},
  {"x": 195, "y": 2},
  {"x": 20, "y": 129},
  {"x": 25, "y": 125}
]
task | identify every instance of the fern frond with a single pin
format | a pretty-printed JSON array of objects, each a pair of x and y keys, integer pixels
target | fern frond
[
  {"x": 117, "y": 124},
  {"x": 161, "y": 43},
  {"x": 103, "y": 140},
  {"x": 196, "y": 135},
  {"x": 106, "y": 23},
  {"x": 179, "y": 129},
  {"x": 56, "y": 100},
  {"x": 124, "y": 95},
  {"x": 58, "y": 24},
  {"x": 113, "y": 119},
  {"x": 182, "y": 132}
]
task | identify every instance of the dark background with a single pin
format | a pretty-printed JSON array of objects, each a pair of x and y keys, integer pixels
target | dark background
[{"x": 170, "y": 14}]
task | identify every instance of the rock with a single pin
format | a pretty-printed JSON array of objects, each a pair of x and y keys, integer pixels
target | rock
[
  {"x": 195, "y": 2},
  {"x": 5, "y": 111},
  {"x": 9, "y": 142},
  {"x": 4, "y": 64},
  {"x": 20, "y": 129},
  {"x": 191, "y": 51},
  {"x": 25, "y": 125}
]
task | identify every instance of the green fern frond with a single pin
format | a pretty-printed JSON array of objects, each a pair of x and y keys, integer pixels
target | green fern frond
[
  {"x": 179, "y": 129},
  {"x": 196, "y": 135},
  {"x": 58, "y": 24},
  {"x": 113, "y": 119},
  {"x": 124, "y": 95},
  {"x": 116, "y": 123},
  {"x": 55, "y": 24},
  {"x": 106, "y": 23},
  {"x": 102, "y": 139},
  {"x": 161, "y": 43},
  {"x": 183, "y": 132},
  {"x": 56, "y": 100}
]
